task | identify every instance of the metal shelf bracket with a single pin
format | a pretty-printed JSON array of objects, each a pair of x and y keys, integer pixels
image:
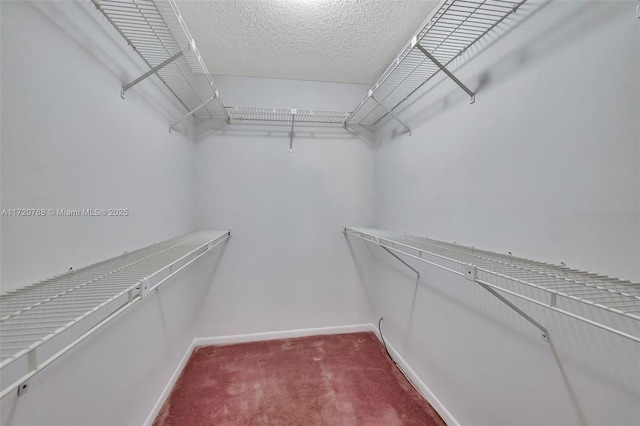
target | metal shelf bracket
[
  {"x": 447, "y": 72},
  {"x": 150, "y": 72},
  {"x": 471, "y": 274},
  {"x": 293, "y": 120},
  {"x": 144, "y": 287},
  {"x": 390, "y": 112},
  {"x": 202, "y": 105},
  {"x": 545, "y": 333},
  {"x": 402, "y": 261}
]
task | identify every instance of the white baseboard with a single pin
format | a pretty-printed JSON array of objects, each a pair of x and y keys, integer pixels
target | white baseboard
[
  {"x": 418, "y": 383},
  {"x": 169, "y": 387},
  {"x": 288, "y": 334}
]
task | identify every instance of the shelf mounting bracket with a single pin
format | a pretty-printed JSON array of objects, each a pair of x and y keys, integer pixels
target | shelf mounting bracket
[
  {"x": 293, "y": 120},
  {"x": 150, "y": 72},
  {"x": 471, "y": 275},
  {"x": 390, "y": 113},
  {"x": 402, "y": 261},
  {"x": 447, "y": 72},
  {"x": 192, "y": 112}
]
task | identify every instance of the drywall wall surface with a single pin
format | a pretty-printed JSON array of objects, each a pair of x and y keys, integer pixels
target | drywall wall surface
[
  {"x": 70, "y": 142},
  {"x": 545, "y": 164},
  {"x": 287, "y": 265}
]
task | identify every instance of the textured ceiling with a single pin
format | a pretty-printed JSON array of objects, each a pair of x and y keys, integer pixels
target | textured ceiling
[{"x": 349, "y": 41}]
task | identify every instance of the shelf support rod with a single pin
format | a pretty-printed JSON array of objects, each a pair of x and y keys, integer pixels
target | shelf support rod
[
  {"x": 392, "y": 114},
  {"x": 471, "y": 273},
  {"x": 293, "y": 119},
  {"x": 545, "y": 333},
  {"x": 447, "y": 72},
  {"x": 402, "y": 261},
  {"x": 191, "y": 112},
  {"x": 150, "y": 72}
]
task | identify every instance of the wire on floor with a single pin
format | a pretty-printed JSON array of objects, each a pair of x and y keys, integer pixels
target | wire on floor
[
  {"x": 383, "y": 342},
  {"x": 394, "y": 362}
]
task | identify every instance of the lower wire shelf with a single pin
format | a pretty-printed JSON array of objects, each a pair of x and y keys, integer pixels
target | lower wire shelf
[
  {"x": 42, "y": 321},
  {"x": 580, "y": 295}
]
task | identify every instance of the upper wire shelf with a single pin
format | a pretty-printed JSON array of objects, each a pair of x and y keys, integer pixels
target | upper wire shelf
[
  {"x": 157, "y": 32},
  {"x": 284, "y": 117},
  {"x": 566, "y": 291},
  {"x": 448, "y": 33},
  {"x": 40, "y": 322}
]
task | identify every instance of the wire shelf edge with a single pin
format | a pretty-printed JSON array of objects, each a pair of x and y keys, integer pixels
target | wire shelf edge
[
  {"x": 557, "y": 283},
  {"x": 449, "y": 31},
  {"x": 39, "y": 320}
]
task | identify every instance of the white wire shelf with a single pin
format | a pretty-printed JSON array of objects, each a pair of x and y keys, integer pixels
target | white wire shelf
[
  {"x": 566, "y": 291},
  {"x": 448, "y": 33},
  {"x": 284, "y": 117},
  {"x": 38, "y": 321},
  {"x": 157, "y": 32}
]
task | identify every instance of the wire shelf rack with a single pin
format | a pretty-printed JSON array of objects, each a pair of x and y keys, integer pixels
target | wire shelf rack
[
  {"x": 566, "y": 291},
  {"x": 157, "y": 32},
  {"x": 284, "y": 117},
  {"x": 454, "y": 27},
  {"x": 70, "y": 307}
]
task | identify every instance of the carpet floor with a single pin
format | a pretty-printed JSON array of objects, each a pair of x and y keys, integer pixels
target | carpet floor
[{"x": 343, "y": 379}]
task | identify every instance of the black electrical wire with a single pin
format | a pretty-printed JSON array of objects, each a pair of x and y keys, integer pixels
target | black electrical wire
[
  {"x": 394, "y": 362},
  {"x": 383, "y": 342}
]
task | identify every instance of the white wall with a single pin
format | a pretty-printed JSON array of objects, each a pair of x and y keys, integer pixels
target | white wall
[
  {"x": 545, "y": 164},
  {"x": 568, "y": 74},
  {"x": 69, "y": 141},
  {"x": 287, "y": 265}
]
